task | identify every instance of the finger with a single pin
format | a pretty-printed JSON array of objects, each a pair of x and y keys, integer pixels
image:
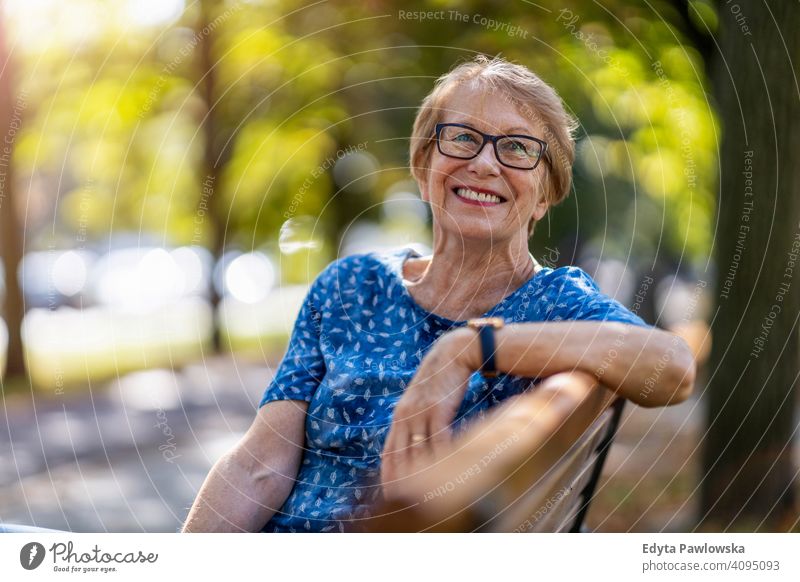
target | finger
[
  {"x": 395, "y": 442},
  {"x": 401, "y": 463},
  {"x": 418, "y": 434},
  {"x": 440, "y": 437},
  {"x": 388, "y": 469},
  {"x": 422, "y": 446},
  {"x": 399, "y": 453}
]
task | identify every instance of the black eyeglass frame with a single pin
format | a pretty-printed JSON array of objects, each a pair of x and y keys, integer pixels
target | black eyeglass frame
[{"x": 488, "y": 138}]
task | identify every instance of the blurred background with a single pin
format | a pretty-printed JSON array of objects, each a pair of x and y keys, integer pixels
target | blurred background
[{"x": 174, "y": 173}]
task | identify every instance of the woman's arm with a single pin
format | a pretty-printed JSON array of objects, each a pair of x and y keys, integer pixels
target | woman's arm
[
  {"x": 645, "y": 365},
  {"x": 251, "y": 482}
]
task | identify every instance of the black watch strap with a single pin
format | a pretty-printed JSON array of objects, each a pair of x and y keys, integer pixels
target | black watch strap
[
  {"x": 488, "y": 367},
  {"x": 486, "y": 330}
]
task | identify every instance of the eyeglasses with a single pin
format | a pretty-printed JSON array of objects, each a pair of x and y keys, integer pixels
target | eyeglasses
[{"x": 522, "y": 152}]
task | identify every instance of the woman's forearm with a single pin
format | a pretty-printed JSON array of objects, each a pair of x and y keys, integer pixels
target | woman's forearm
[
  {"x": 647, "y": 366},
  {"x": 250, "y": 483},
  {"x": 233, "y": 499}
]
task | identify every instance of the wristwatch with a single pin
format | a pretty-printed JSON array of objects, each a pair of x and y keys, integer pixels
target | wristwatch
[{"x": 486, "y": 327}]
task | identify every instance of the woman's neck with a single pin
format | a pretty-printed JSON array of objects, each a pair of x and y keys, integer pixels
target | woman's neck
[{"x": 464, "y": 279}]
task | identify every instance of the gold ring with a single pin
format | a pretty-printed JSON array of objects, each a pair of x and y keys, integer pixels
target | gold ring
[{"x": 417, "y": 438}]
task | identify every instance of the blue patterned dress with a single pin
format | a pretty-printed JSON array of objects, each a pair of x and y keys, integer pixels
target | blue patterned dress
[{"x": 356, "y": 344}]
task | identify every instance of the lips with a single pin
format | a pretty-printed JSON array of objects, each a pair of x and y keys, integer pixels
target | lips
[{"x": 479, "y": 196}]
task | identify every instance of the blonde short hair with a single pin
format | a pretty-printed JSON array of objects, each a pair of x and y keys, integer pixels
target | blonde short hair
[{"x": 534, "y": 99}]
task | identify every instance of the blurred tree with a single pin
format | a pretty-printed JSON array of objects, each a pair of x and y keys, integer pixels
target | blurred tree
[
  {"x": 11, "y": 108},
  {"x": 213, "y": 140},
  {"x": 223, "y": 124},
  {"x": 212, "y": 147},
  {"x": 749, "y": 479},
  {"x": 278, "y": 88}
]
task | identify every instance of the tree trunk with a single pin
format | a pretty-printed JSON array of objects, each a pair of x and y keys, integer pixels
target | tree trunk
[
  {"x": 210, "y": 196},
  {"x": 11, "y": 108},
  {"x": 748, "y": 481}
]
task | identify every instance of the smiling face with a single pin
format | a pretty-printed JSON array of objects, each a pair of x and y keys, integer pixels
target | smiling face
[{"x": 481, "y": 198}]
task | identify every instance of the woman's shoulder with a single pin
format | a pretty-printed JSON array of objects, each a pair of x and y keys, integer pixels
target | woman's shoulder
[
  {"x": 360, "y": 269},
  {"x": 568, "y": 279},
  {"x": 570, "y": 293}
]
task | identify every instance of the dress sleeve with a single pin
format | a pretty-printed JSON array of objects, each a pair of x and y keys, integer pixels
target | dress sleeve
[
  {"x": 579, "y": 298},
  {"x": 303, "y": 366}
]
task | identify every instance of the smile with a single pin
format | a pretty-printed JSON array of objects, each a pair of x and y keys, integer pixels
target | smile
[{"x": 479, "y": 198}]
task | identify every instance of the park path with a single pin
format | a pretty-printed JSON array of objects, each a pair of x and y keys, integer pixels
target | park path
[
  {"x": 127, "y": 455},
  {"x": 130, "y": 454}
]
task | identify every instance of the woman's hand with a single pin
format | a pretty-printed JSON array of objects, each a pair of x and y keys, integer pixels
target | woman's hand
[{"x": 420, "y": 429}]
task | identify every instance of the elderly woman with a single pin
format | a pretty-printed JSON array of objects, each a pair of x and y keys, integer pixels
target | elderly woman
[{"x": 393, "y": 352}]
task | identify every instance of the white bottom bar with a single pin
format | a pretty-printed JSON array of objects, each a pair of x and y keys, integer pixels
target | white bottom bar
[{"x": 401, "y": 557}]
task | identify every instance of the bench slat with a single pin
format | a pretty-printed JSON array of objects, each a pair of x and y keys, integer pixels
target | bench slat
[
  {"x": 561, "y": 487},
  {"x": 504, "y": 469}
]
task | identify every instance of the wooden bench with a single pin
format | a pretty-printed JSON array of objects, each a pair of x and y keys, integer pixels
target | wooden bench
[{"x": 532, "y": 465}]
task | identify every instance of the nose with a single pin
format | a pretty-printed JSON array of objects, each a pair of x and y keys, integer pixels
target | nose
[{"x": 485, "y": 163}]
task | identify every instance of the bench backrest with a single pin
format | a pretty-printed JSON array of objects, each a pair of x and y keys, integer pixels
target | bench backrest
[
  {"x": 560, "y": 500},
  {"x": 531, "y": 465}
]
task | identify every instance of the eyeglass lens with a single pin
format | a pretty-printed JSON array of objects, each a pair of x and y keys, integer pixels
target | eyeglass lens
[{"x": 462, "y": 142}]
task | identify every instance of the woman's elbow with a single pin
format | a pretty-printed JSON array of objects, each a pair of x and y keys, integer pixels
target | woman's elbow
[
  {"x": 679, "y": 378},
  {"x": 253, "y": 469},
  {"x": 686, "y": 369}
]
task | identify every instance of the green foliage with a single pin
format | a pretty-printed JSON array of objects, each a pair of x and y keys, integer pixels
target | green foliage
[{"x": 115, "y": 130}]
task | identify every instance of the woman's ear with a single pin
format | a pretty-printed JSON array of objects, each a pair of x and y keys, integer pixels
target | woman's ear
[
  {"x": 538, "y": 213},
  {"x": 543, "y": 189},
  {"x": 541, "y": 208},
  {"x": 422, "y": 186}
]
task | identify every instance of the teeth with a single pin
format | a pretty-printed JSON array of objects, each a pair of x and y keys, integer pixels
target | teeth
[{"x": 479, "y": 196}]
